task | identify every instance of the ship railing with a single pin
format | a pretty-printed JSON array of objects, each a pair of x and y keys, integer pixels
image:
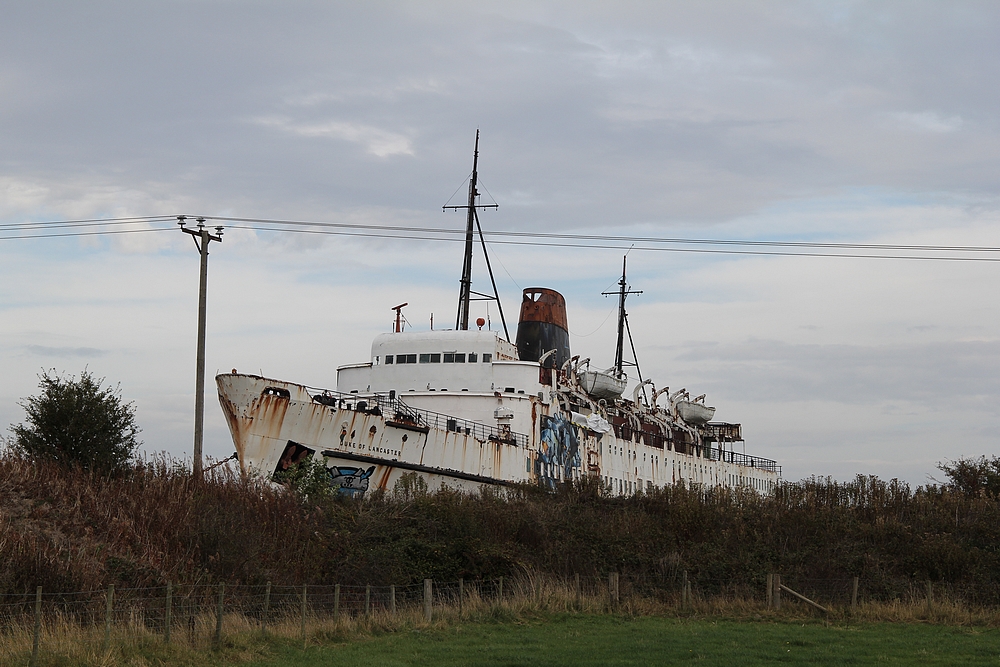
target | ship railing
[
  {"x": 394, "y": 409},
  {"x": 747, "y": 460}
]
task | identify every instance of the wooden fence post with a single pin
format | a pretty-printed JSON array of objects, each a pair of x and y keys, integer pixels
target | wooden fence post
[
  {"x": 108, "y": 611},
  {"x": 38, "y": 627},
  {"x": 368, "y": 599},
  {"x": 684, "y": 589},
  {"x": 166, "y": 615},
  {"x": 336, "y": 601},
  {"x": 461, "y": 595},
  {"x": 811, "y": 603},
  {"x": 777, "y": 592},
  {"x": 500, "y": 590},
  {"x": 613, "y": 588},
  {"x": 267, "y": 607},
  {"x": 428, "y": 602},
  {"x": 218, "y": 617},
  {"x": 392, "y": 599},
  {"x": 930, "y": 596},
  {"x": 303, "y": 621},
  {"x": 576, "y": 587},
  {"x": 854, "y": 594},
  {"x": 770, "y": 590}
]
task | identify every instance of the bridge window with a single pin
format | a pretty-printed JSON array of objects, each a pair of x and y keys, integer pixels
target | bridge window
[
  {"x": 473, "y": 357},
  {"x": 388, "y": 359},
  {"x": 487, "y": 357}
]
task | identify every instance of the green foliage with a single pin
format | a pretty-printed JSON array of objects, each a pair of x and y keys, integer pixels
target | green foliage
[
  {"x": 410, "y": 486},
  {"x": 310, "y": 479},
  {"x": 77, "y": 421},
  {"x": 974, "y": 476}
]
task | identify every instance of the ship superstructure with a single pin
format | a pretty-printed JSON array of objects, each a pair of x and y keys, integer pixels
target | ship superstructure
[{"x": 467, "y": 407}]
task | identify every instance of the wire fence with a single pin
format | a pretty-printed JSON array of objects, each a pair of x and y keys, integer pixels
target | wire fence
[
  {"x": 156, "y": 608},
  {"x": 200, "y": 612}
]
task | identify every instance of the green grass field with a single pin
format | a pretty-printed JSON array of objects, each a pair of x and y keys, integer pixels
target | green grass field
[{"x": 612, "y": 640}]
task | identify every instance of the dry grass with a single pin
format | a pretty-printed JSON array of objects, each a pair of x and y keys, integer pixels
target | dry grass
[{"x": 133, "y": 644}]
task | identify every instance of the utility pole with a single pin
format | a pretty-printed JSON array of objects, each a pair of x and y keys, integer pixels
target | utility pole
[{"x": 202, "y": 237}]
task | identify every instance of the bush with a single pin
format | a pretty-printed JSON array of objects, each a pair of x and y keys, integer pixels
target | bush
[
  {"x": 310, "y": 479},
  {"x": 77, "y": 421},
  {"x": 974, "y": 476}
]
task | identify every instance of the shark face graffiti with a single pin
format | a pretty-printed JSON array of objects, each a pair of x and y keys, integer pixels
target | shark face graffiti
[{"x": 352, "y": 481}]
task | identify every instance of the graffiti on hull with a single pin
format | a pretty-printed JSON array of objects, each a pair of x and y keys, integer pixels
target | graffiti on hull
[
  {"x": 559, "y": 451},
  {"x": 350, "y": 480}
]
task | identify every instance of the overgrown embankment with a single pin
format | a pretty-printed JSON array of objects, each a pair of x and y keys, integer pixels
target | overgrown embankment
[{"x": 71, "y": 530}]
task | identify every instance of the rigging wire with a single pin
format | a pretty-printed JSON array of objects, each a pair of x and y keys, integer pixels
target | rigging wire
[
  {"x": 480, "y": 182},
  {"x": 458, "y": 188},
  {"x": 601, "y": 326},
  {"x": 497, "y": 256}
]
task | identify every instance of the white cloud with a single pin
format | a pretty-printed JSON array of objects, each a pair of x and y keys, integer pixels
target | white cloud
[
  {"x": 928, "y": 121},
  {"x": 376, "y": 141}
]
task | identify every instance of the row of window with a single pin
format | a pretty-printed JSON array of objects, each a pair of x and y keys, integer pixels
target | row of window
[
  {"x": 437, "y": 358},
  {"x": 623, "y": 486}
]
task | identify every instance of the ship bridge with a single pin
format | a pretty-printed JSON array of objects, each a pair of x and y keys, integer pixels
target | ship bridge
[{"x": 474, "y": 361}]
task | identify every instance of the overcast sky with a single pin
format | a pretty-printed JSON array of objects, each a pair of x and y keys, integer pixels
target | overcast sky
[{"x": 805, "y": 121}]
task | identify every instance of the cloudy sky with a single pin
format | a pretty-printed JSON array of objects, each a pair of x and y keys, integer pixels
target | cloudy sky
[{"x": 791, "y": 121}]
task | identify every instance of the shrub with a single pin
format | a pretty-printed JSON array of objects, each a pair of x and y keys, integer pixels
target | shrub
[
  {"x": 974, "y": 475},
  {"x": 77, "y": 421}
]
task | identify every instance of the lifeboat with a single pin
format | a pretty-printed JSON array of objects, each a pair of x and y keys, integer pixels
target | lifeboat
[
  {"x": 695, "y": 413},
  {"x": 603, "y": 384}
]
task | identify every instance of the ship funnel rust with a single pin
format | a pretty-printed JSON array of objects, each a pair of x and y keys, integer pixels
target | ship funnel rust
[{"x": 542, "y": 327}]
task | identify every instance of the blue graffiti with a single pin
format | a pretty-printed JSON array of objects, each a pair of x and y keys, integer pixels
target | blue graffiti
[
  {"x": 559, "y": 450},
  {"x": 352, "y": 481}
]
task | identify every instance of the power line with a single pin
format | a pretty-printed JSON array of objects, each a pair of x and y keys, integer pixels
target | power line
[
  {"x": 68, "y": 234},
  {"x": 92, "y": 222},
  {"x": 594, "y": 246},
  {"x": 54, "y": 229},
  {"x": 624, "y": 239}
]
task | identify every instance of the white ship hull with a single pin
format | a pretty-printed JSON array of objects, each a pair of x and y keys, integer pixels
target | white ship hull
[{"x": 369, "y": 442}]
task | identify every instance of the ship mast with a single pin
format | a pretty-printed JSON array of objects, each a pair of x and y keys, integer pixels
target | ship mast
[
  {"x": 623, "y": 328},
  {"x": 465, "y": 284},
  {"x": 465, "y": 291},
  {"x": 622, "y": 293}
]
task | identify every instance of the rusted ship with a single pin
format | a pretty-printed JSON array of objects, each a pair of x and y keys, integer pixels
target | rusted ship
[{"x": 468, "y": 407}]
